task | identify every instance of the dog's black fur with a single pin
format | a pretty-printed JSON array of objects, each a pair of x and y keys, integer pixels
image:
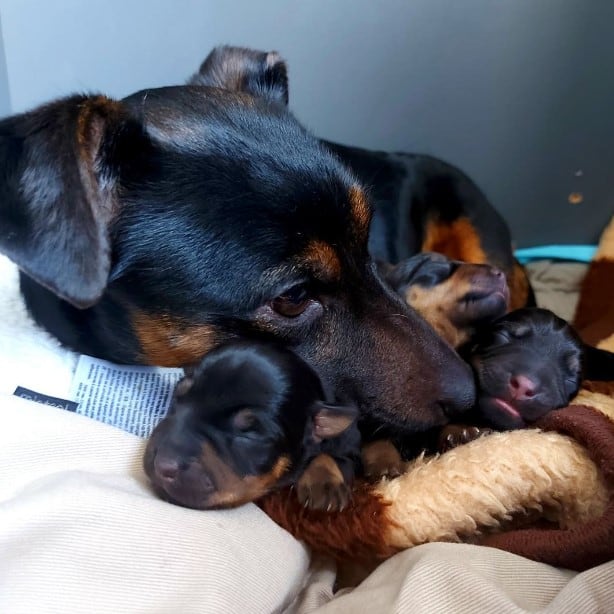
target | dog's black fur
[
  {"x": 250, "y": 418},
  {"x": 153, "y": 229}
]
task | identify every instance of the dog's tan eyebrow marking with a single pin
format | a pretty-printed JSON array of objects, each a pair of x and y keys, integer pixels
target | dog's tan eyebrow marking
[
  {"x": 361, "y": 209},
  {"x": 322, "y": 259},
  {"x": 169, "y": 342}
]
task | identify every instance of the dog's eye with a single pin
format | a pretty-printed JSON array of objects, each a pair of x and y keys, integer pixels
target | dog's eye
[{"x": 292, "y": 302}]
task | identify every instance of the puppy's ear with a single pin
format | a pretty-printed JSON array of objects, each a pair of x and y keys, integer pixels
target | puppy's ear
[
  {"x": 57, "y": 194},
  {"x": 259, "y": 73},
  {"x": 331, "y": 420}
]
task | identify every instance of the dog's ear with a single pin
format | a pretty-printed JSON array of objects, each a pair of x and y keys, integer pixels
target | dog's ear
[
  {"x": 57, "y": 194},
  {"x": 259, "y": 73},
  {"x": 331, "y": 420}
]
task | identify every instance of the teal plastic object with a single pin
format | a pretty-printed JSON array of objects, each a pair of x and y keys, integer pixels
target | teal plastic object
[{"x": 579, "y": 253}]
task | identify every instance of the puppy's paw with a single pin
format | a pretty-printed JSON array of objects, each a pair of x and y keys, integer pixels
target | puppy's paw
[
  {"x": 322, "y": 486},
  {"x": 454, "y": 435},
  {"x": 381, "y": 459}
]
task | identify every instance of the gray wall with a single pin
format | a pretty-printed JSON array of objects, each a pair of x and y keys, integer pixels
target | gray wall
[
  {"x": 5, "y": 99},
  {"x": 518, "y": 93}
]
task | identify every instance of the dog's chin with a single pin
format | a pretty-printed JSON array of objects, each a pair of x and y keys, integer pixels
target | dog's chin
[{"x": 500, "y": 413}]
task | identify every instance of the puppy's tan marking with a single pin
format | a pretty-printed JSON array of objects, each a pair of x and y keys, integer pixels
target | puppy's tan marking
[
  {"x": 322, "y": 486},
  {"x": 457, "y": 240},
  {"x": 437, "y": 305},
  {"x": 234, "y": 490},
  {"x": 381, "y": 459},
  {"x": 168, "y": 342}
]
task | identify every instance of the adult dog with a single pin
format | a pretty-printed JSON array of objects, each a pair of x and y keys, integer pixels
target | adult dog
[{"x": 155, "y": 228}]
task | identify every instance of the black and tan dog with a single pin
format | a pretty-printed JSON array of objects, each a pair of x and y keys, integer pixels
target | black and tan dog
[
  {"x": 155, "y": 228},
  {"x": 249, "y": 419}
]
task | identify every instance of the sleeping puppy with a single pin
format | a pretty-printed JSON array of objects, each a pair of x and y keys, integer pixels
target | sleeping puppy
[
  {"x": 454, "y": 297},
  {"x": 526, "y": 363},
  {"x": 250, "y": 418}
]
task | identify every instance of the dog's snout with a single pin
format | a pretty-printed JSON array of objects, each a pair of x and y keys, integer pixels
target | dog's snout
[{"x": 458, "y": 391}]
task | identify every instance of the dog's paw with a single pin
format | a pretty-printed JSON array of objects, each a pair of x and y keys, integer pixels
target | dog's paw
[
  {"x": 381, "y": 459},
  {"x": 454, "y": 435},
  {"x": 322, "y": 486}
]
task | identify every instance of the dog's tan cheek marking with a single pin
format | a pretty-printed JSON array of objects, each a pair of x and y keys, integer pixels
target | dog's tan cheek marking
[
  {"x": 168, "y": 342},
  {"x": 457, "y": 240},
  {"x": 323, "y": 259},
  {"x": 361, "y": 211}
]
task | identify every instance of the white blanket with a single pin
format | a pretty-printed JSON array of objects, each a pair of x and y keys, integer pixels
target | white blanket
[{"x": 80, "y": 531}]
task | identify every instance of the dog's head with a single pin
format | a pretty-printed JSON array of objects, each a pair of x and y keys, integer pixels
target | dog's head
[
  {"x": 179, "y": 218},
  {"x": 526, "y": 363},
  {"x": 454, "y": 297},
  {"x": 245, "y": 420}
]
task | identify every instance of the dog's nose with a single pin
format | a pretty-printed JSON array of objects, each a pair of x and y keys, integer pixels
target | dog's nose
[{"x": 522, "y": 388}]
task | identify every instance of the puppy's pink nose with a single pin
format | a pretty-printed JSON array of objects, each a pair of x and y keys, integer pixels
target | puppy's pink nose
[
  {"x": 522, "y": 388},
  {"x": 166, "y": 468}
]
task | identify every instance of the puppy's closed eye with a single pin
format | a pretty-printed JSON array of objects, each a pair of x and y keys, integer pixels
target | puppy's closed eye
[
  {"x": 245, "y": 420},
  {"x": 519, "y": 331}
]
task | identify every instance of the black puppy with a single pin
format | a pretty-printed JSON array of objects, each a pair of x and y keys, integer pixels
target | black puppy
[
  {"x": 527, "y": 363},
  {"x": 156, "y": 228},
  {"x": 250, "y": 418}
]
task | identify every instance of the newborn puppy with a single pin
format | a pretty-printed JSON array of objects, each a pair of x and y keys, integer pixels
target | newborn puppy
[
  {"x": 251, "y": 418},
  {"x": 526, "y": 363},
  {"x": 453, "y": 297}
]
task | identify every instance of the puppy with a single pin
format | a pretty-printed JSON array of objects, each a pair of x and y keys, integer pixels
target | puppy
[
  {"x": 250, "y": 418},
  {"x": 454, "y": 297},
  {"x": 156, "y": 228},
  {"x": 526, "y": 363}
]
